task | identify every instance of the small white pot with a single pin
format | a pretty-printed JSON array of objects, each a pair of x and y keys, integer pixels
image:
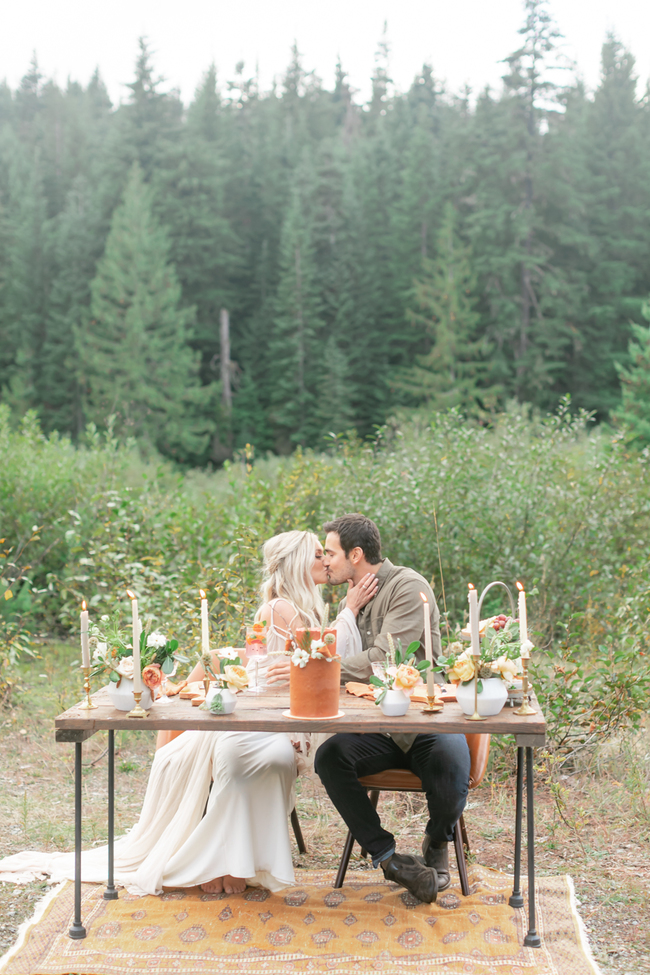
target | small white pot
[
  {"x": 395, "y": 703},
  {"x": 122, "y": 697},
  {"x": 490, "y": 700},
  {"x": 228, "y": 699}
]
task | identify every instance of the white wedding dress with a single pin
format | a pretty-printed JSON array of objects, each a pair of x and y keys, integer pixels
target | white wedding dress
[{"x": 244, "y": 831}]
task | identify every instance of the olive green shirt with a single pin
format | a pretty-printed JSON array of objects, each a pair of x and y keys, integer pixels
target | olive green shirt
[{"x": 396, "y": 609}]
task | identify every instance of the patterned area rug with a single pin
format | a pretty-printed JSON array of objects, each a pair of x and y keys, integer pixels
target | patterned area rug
[{"x": 367, "y": 926}]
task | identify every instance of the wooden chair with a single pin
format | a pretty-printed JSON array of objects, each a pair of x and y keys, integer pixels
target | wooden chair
[{"x": 403, "y": 780}]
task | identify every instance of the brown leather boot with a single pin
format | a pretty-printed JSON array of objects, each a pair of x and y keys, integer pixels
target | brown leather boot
[
  {"x": 436, "y": 855},
  {"x": 407, "y": 871}
]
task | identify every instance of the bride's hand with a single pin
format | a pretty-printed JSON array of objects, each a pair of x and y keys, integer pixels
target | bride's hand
[
  {"x": 360, "y": 595},
  {"x": 278, "y": 671}
]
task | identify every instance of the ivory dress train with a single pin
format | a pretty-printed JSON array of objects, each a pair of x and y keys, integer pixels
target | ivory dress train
[{"x": 244, "y": 831}]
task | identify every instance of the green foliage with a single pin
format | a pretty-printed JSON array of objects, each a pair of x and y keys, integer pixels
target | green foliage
[
  {"x": 634, "y": 411},
  {"x": 136, "y": 361},
  {"x": 541, "y": 499},
  {"x": 308, "y": 216}
]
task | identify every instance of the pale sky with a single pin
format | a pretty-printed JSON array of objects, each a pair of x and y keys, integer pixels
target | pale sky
[{"x": 463, "y": 41}]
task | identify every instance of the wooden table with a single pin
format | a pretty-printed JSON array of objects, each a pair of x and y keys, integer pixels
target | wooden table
[{"x": 264, "y": 712}]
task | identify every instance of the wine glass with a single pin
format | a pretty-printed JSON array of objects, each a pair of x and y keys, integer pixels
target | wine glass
[
  {"x": 162, "y": 689},
  {"x": 256, "y": 649}
]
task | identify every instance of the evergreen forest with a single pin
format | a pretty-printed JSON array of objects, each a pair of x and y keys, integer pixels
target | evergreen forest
[{"x": 270, "y": 267}]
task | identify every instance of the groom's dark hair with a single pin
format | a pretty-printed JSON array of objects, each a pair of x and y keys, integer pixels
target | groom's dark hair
[{"x": 357, "y": 531}]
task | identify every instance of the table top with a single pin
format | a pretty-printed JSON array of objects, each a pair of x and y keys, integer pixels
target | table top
[{"x": 264, "y": 712}]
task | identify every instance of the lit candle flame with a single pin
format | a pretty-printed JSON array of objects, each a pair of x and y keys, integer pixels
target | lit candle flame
[
  {"x": 203, "y": 595},
  {"x": 84, "y": 605},
  {"x": 423, "y": 597},
  {"x": 130, "y": 594},
  {"x": 469, "y": 585},
  {"x": 520, "y": 587}
]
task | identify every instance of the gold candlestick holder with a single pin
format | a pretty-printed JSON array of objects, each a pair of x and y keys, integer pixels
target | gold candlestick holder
[
  {"x": 476, "y": 716},
  {"x": 432, "y": 706},
  {"x": 525, "y": 706},
  {"x": 137, "y": 711},
  {"x": 87, "y": 704}
]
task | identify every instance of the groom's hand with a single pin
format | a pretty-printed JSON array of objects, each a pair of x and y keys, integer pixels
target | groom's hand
[
  {"x": 360, "y": 595},
  {"x": 278, "y": 672}
]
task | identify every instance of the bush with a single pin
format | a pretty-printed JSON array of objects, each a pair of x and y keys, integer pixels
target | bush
[{"x": 542, "y": 499}]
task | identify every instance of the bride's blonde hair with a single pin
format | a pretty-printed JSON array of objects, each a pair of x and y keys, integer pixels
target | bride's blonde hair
[{"x": 288, "y": 561}]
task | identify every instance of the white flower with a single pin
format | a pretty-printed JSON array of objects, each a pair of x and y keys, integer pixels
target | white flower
[
  {"x": 157, "y": 640},
  {"x": 526, "y": 647},
  {"x": 300, "y": 658},
  {"x": 104, "y": 619},
  {"x": 125, "y": 667},
  {"x": 317, "y": 645},
  {"x": 228, "y": 653},
  {"x": 100, "y": 652}
]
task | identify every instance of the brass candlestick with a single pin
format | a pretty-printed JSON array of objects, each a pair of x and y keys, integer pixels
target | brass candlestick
[
  {"x": 137, "y": 711},
  {"x": 87, "y": 704},
  {"x": 476, "y": 716},
  {"x": 432, "y": 707},
  {"x": 525, "y": 706}
]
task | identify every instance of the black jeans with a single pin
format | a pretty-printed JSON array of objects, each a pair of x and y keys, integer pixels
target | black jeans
[{"x": 441, "y": 761}]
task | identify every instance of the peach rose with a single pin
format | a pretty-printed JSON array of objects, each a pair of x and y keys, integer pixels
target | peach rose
[
  {"x": 406, "y": 677},
  {"x": 152, "y": 675},
  {"x": 462, "y": 670},
  {"x": 236, "y": 677}
]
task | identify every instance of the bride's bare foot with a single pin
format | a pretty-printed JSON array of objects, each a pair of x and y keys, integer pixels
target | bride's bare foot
[
  {"x": 234, "y": 885},
  {"x": 231, "y": 885},
  {"x": 213, "y": 886}
]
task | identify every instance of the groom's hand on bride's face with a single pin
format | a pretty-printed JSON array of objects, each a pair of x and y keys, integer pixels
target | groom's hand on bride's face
[
  {"x": 360, "y": 595},
  {"x": 278, "y": 672}
]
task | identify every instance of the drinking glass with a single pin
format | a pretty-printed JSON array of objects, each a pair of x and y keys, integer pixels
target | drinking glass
[{"x": 256, "y": 649}]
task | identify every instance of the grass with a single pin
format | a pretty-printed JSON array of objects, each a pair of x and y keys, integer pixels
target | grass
[{"x": 593, "y": 820}]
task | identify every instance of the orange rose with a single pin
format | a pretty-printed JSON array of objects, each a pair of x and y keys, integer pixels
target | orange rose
[
  {"x": 236, "y": 677},
  {"x": 406, "y": 677},
  {"x": 152, "y": 675}
]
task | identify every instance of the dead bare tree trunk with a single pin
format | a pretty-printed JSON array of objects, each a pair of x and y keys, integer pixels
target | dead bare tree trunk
[{"x": 226, "y": 389}]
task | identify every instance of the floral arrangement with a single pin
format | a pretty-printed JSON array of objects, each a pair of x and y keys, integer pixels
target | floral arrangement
[
  {"x": 399, "y": 673},
  {"x": 112, "y": 653},
  {"x": 305, "y": 649},
  {"x": 232, "y": 675},
  {"x": 500, "y": 654}
]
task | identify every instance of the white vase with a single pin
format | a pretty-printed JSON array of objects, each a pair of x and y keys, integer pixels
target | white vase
[
  {"x": 395, "y": 703},
  {"x": 490, "y": 700},
  {"x": 228, "y": 699},
  {"x": 122, "y": 697}
]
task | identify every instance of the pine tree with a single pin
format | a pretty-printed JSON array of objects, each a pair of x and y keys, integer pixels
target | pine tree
[
  {"x": 452, "y": 373},
  {"x": 136, "y": 361},
  {"x": 634, "y": 410},
  {"x": 294, "y": 368}
]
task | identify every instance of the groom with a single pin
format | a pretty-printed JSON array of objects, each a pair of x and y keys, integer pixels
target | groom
[{"x": 352, "y": 549}]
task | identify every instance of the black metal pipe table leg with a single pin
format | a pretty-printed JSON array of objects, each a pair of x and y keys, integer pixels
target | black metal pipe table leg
[
  {"x": 532, "y": 939},
  {"x": 77, "y": 930},
  {"x": 516, "y": 898},
  {"x": 110, "y": 894}
]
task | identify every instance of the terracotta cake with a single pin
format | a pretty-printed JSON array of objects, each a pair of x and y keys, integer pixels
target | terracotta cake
[{"x": 314, "y": 687}]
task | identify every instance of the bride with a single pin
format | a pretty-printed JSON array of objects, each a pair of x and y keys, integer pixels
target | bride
[{"x": 216, "y": 806}]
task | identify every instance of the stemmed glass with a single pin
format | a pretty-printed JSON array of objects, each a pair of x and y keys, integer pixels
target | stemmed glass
[
  {"x": 256, "y": 649},
  {"x": 162, "y": 689}
]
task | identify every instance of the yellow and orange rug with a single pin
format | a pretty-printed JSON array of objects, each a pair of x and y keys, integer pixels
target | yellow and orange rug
[{"x": 367, "y": 926}]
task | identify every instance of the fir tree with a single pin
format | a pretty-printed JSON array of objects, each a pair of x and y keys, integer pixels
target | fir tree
[
  {"x": 451, "y": 372},
  {"x": 134, "y": 352},
  {"x": 634, "y": 410}
]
